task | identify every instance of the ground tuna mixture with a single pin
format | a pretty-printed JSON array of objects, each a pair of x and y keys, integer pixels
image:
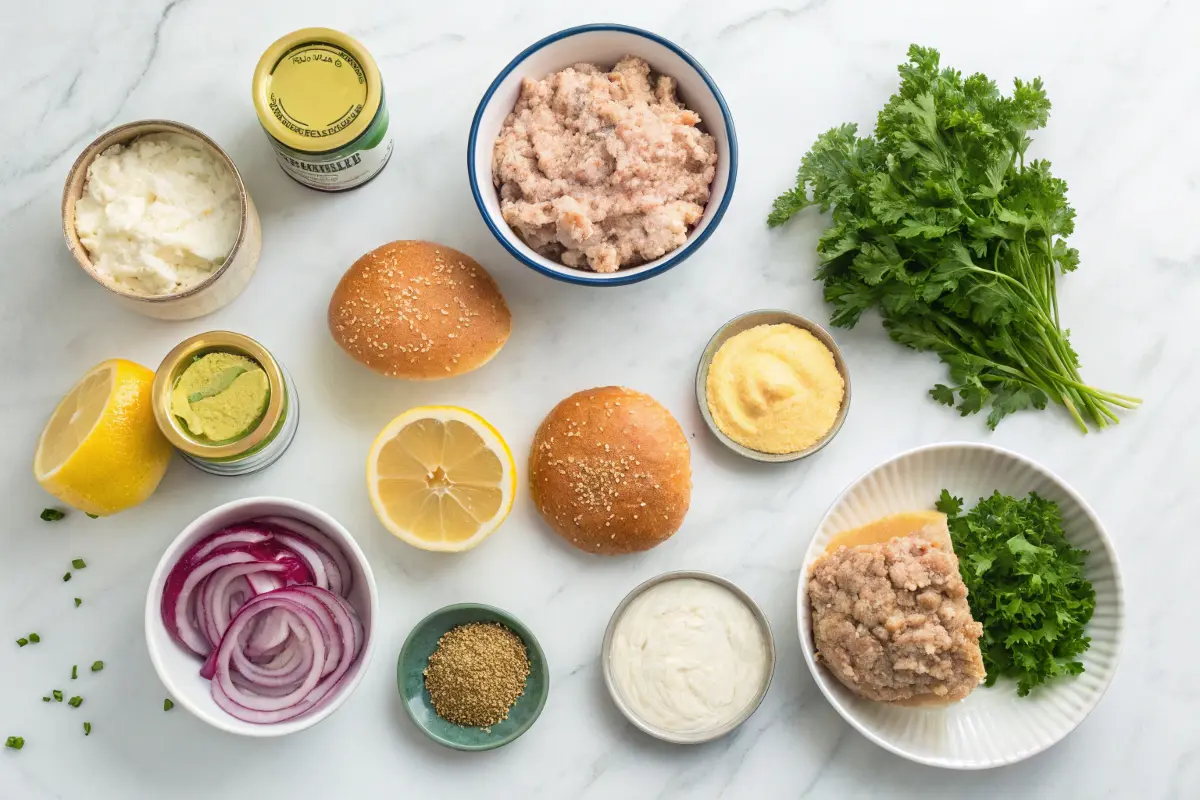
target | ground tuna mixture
[
  {"x": 891, "y": 621},
  {"x": 603, "y": 170}
]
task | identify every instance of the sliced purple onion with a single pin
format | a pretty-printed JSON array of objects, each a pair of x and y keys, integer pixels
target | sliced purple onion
[{"x": 264, "y": 604}]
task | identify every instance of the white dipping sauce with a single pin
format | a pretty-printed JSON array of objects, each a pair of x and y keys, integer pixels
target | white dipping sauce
[{"x": 688, "y": 656}]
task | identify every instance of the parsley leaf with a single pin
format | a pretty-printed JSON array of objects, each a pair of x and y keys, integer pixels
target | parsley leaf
[
  {"x": 1026, "y": 586},
  {"x": 942, "y": 225}
]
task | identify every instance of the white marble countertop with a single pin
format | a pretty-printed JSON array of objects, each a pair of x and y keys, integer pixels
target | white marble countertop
[{"x": 1123, "y": 77}]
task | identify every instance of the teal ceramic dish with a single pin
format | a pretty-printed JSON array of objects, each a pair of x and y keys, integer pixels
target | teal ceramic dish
[{"x": 410, "y": 679}]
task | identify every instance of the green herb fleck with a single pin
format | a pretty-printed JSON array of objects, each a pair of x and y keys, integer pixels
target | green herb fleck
[
  {"x": 34, "y": 638},
  {"x": 78, "y": 563},
  {"x": 97, "y": 666},
  {"x": 942, "y": 225},
  {"x": 46, "y": 699},
  {"x": 66, "y": 577},
  {"x": 93, "y": 516},
  {"x": 87, "y": 729},
  {"x": 75, "y": 702},
  {"x": 15, "y": 742},
  {"x": 52, "y": 515},
  {"x": 22, "y": 642},
  {"x": 78, "y": 602},
  {"x": 1026, "y": 586},
  {"x": 74, "y": 672},
  {"x": 58, "y": 695},
  {"x": 167, "y": 704}
]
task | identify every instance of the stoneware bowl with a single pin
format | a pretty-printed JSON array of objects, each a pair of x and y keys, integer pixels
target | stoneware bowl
[
  {"x": 226, "y": 282},
  {"x": 179, "y": 669},
  {"x": 745, "y": 322},
  {"x": 661, "y": 733},
  {"x": 992, "y": 726},
  {"x": 410, "y": 679},
  {"x": 601, "y": 44}
]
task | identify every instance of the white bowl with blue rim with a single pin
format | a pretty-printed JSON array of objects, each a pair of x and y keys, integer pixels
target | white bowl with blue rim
[{"x": 604, "y": 45}]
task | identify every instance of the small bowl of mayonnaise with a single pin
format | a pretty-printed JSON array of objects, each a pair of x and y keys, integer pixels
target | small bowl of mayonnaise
[
  {"x": 157, "y": 213},
  {"x": 688, "y": 657}
]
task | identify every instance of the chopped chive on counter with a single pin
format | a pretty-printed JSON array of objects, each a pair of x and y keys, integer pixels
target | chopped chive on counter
[
  {"x": 75, "y": 702},
  {"x": 15, "y": 742},
  {"x": 97, "y": 666},
  {"x": 78, "y": 602},
  {"x": 22, "y": 642},
  {"x": 52, "y": 515},
  {"x": 45, "y": 699},
  {"x": 57, "y": 693},
  {"x": 66, "y": 577},
  {"x": 34, "y": 638},
  {"x": 78, "y": 563},
  {"x": 93, "y": 516},
  {"x": 74, "y": 672},
  {"x": 167, "y": 704},
  {"x": 87, "y": 729}
]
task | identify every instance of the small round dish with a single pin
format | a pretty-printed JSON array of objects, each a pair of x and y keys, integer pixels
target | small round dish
[
  {"x": 601, "y": 44},
  {"x": 744, "y": 322},
  {"x": 422, "y": 641},
  {"x": 226, "y": 282},
  {"x": 992, "y": 727},
  {"x": 179, "y": 669},
  {"x": 661, "y": 733}
]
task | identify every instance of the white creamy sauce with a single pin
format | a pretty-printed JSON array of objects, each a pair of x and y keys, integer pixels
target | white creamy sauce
[
  {"x": 688, "y": 656},
  {"x": 158, "y": 215}
]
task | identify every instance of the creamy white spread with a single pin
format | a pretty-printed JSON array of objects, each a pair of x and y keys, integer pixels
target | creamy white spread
[
  {"x": 688, "y": 656},
  {"x": 158, "y": 215}
]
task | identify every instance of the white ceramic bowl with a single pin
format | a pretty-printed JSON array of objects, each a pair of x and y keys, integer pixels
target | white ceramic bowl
[
  {"x": 179, "y": 669},
  {"x": 992, "y": 726},
  {"x": 602, "y": 44}
]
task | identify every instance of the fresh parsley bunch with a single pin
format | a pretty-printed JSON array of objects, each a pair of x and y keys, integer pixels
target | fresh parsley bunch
[
  {"x": 1025, "y": 584},
  {"x": 941, "y": 225}
]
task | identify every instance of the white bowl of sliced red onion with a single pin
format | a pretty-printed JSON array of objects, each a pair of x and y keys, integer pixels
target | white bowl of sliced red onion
[{"x": 260, "y": 616}]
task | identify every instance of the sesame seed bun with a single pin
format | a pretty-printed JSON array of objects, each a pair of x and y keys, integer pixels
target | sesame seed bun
[
  {"x": 420, "y": 311},
  {"x": 610, "y": 471}
]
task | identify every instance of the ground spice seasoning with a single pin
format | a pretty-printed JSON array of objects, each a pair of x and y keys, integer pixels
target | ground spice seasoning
[{"x": 477, "y": 674}]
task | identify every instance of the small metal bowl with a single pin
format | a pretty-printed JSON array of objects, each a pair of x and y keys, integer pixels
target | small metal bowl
[
  {"x": 661, "y": 733},
  {"x": 745, "y": 322}
]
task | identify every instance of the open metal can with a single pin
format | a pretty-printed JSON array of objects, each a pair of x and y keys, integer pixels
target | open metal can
[
  {"x": 319, "y": 97},
  {"x": 262, "y": 442}
]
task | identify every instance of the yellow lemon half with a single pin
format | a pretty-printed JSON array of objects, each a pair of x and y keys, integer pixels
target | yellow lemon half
[
  {"x": 101, "y": 452},
  {"x": 441, "y": 478}
]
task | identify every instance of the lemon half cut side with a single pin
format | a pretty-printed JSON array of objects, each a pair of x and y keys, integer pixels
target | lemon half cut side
[
  {"x": 101, "y": 451},
  {"x": 441, "y": 478}
]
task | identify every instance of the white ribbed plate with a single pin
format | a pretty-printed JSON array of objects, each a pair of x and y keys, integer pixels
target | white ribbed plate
[{"x": 993, "y": 726}]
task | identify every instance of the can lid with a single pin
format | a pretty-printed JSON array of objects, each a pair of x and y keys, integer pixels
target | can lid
[{"x": 316, "y": 90}]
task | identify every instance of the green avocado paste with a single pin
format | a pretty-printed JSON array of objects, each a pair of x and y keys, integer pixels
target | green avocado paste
[{"x": 221, "y": 397}]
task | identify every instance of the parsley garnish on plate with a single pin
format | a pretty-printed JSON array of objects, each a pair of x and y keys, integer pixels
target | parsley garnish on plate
[
  {"x": 51, "y": 515},
  {"x": 941, "y": 225},
  {"x": 1026, "y": 585}
]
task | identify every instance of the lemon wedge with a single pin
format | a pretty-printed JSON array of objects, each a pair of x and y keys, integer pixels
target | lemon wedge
[
  {"x": 101, "y": 452},
  {"x": 441, "y": 478}
]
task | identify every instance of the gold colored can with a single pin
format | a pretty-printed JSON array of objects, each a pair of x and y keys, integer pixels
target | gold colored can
[
  {"x": 259, "y": 446},
  {"x": 319, "y": 97}
]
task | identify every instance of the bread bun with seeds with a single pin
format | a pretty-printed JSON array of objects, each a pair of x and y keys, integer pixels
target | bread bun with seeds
[
  {"x": 610, "y": 471},
  {"x": 419, "y": 311}
]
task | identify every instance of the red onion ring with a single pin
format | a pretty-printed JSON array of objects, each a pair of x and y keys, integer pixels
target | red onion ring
[{"x": 264, "y": 604}]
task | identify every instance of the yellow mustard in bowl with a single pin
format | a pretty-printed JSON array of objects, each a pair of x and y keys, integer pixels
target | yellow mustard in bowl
[
  {"x": 319, "y": 96},
  {"x": 774, "y": 389}
]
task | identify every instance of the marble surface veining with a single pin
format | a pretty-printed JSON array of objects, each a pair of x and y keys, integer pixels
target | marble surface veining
[{"x": 1123, "y": 78}]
